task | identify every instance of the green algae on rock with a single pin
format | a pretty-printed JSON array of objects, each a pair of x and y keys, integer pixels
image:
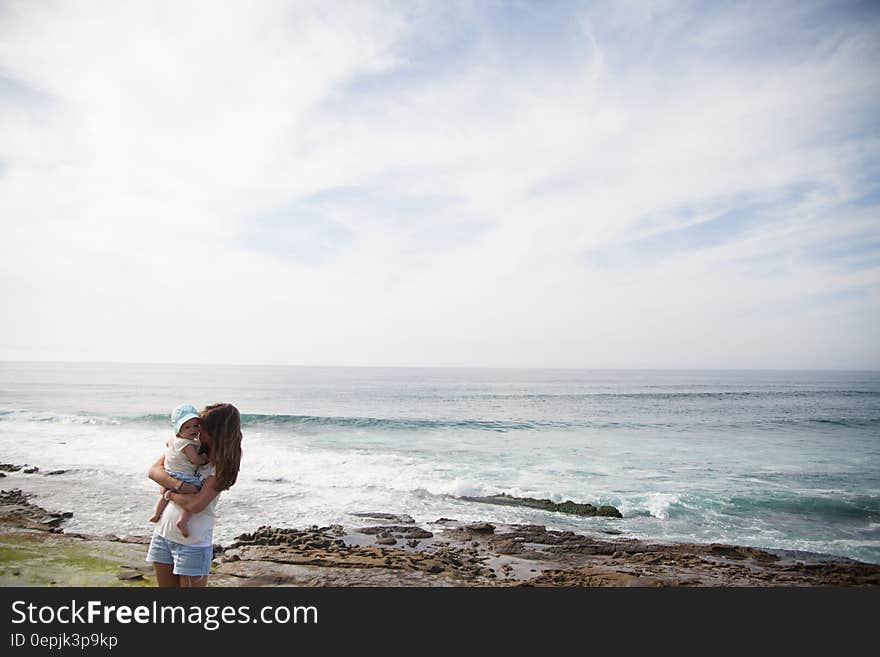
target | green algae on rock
[{"x": 39, "y": 558}]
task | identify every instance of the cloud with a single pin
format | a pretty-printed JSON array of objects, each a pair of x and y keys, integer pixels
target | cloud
[{"x": 441, "y": 184}]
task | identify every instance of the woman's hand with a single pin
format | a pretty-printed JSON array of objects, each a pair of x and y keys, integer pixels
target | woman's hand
[{"x": 198, "y": 501}]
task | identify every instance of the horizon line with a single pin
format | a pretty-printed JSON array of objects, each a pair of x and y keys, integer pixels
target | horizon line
[{"x": 443, "y": 367}]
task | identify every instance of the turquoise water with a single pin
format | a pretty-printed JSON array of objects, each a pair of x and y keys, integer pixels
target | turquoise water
[{"x": 772, "y": 459}]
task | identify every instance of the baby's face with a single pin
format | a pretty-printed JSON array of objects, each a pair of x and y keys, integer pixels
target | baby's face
[{"x": 190, "y": 429}]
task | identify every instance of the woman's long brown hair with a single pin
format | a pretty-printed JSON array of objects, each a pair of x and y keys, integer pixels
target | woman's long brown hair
[{"x": 223, "y": 424}]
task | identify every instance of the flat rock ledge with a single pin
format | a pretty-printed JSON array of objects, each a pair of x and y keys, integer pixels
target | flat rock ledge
[
  {"x": 16, "y": 510},
  {"x": 322, "y": 546},
  {"x": 453, "y": 554}
]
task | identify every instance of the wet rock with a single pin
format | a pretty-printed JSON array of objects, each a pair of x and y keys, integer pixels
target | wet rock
[
  {"x": 726, "y": 551},
  {"x": 548, "y": 505},
  {"x": 386, "y": 540},
  {"x": 741, "y": 552},
  {"x": 397, "y": 531},
  {"x": 481, "y": 527},
  {"x": 54, "y": 519},
  {"x": 403, "y": 519},
  {"x": 31, "y": 470},
  {"x": 9, "y": 467},
  {"x": 17, "y": 511},
  {"x": 56, "y": 472}
]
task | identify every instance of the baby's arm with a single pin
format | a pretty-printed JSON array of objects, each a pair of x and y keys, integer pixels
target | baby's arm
[{"x": 191, "y": 452}]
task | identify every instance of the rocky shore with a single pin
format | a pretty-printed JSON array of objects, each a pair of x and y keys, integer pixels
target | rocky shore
[{"x": 382, "y": 549}]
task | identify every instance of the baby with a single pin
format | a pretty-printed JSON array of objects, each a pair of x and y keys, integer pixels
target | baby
[{"x": 182, "y": 458}]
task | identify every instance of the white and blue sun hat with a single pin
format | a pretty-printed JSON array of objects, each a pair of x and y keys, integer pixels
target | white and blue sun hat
[{"x": 181, "y": 414}]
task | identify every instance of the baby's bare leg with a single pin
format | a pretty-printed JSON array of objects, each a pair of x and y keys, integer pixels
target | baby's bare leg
[
  {"x": 182, "y": 521},
  {"x": 160, "y": 507}
]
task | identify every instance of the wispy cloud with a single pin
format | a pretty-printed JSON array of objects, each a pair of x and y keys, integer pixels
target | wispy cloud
[{"x": 537, "y": 184}]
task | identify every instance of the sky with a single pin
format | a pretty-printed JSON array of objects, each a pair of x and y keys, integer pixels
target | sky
[{"x": 451, "y": 184}]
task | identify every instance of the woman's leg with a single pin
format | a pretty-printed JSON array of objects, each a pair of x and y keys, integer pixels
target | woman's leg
[{"x": 164, "y": 575}]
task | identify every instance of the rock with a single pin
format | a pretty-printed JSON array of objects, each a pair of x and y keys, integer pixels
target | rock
[
  {"x": 741, "y": 552},
  {"x": 507, "y": 547},
  {"x": 2, "y": 475},
  {"x": 441, "y": 521},
  {"x": 56, "y": 472},
  {"x": 130, "y": 538},
  {"x": 31, "y": 470},
  {"x": 432, "y": 566},
  {"x": 608, "y": 511},
  {"x": 129, "y": 575},
  {"x": 141, "y": 568},
  {"x": 9, "y": 467},
  {"x": 386, "y": 540},
  {"x": 404, "y": 518},
  {"x": 16, "y": 511},
  {"x": 548, "y": 505},
  {"x": 397, "y": 531},
  {"x": 730, "y": 551},
  {"x": 481, "y": 527}
]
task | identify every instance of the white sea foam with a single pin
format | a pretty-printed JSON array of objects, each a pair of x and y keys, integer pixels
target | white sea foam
[
  {"x": 659, "y": 504},
  {"x": 61, "y": 418},
  {"x": 460, "y": 488}
]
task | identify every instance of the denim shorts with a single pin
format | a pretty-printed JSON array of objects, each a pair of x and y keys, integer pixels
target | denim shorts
[
  {"x": 186, "y": 478},
  {"x": 190, "y": 560}
]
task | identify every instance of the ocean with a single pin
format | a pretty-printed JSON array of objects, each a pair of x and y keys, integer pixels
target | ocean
[{"x": 774, "y": 459}]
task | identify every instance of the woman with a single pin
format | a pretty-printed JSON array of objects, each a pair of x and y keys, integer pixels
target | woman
[{"x": 186, "y": 561}]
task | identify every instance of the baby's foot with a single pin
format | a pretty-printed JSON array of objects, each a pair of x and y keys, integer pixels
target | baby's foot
[{"x": 183, "y": 529}]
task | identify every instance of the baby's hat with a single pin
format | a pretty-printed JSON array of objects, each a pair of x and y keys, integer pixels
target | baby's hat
[{"x": 181, "y": 414}]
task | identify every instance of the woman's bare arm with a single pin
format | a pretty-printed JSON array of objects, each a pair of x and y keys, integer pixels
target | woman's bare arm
[
  {"x": 157, "y": 473},
  {"x": 198, "y": 501}
]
